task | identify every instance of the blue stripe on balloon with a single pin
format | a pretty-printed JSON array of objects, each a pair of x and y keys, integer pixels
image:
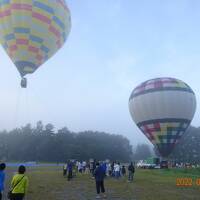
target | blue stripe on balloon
[
  {"x": 36, "y": 39},
  {"x": 45, "y": 49},
  {"x": 170, "y": 136},
  {"x": 21, "y": 30},
  {"x": 43, "y": 7},
  {"x": 58, "y": 22},
  {"x": 10, "y": 36}
]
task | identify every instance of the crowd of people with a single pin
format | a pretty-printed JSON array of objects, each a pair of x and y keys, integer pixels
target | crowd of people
[
  {"x": 111, "y": 169},
  {"x": 99, "y": 171}
]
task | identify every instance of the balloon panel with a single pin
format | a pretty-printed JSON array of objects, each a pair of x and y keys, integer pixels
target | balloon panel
[
  {"x": 164, "y": 133},
  {"x": 31, "y": 31},
  {"x": 163, "y": 108},
  {"x": 160, "y": 84}
]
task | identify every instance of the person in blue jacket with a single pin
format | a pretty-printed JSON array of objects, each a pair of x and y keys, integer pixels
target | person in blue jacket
[
  {"x": 69, "y": 169},
  {"x": 104, "y": 167},
  {"x": 99, "y": 175},
  {"x": 2, "y": 178}
]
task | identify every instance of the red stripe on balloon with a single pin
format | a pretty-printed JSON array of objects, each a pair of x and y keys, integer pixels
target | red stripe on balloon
[
  {"x": 33, "y": 49},
  {"x": 154, "y": 84},
  {"x": 149, "y": 131},
  {"x": 41, "y": 17},
  {"x": 54, "y": 31},
  {"x": 20, "y": 6},
  {"x": 157, "y": 126},
  {"x": 5, "y": 13},
  {"x": 22, "y": 41}
]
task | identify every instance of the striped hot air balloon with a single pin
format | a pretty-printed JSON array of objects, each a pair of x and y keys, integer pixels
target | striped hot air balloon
[
  {"x": 163, "y": 108},
  {"x": 31, "y": 31}
]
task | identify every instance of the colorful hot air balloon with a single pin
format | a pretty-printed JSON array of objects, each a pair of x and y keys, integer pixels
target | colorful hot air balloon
[
  {"x": 163, "y": 108},
  {"x": 31, "y": 31}
]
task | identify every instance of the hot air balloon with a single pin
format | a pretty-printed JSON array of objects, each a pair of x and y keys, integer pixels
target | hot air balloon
[
  {"x": 31, "y": 31},
  {"x": 163, "y": 108}
]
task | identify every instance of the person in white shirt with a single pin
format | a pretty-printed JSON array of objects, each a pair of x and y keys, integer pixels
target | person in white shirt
[
  {"x": 80, "y": 167},
  {"x": 117, "y": 170},
  {"x": 84, "y": 165}
]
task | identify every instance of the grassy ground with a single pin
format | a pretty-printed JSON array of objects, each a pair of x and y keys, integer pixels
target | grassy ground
[{"x": 49, "y": 184}]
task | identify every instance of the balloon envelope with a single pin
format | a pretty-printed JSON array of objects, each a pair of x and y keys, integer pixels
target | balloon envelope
[
  {"x": 31, "y": 31},
  {"x": 163, "y": 108}
]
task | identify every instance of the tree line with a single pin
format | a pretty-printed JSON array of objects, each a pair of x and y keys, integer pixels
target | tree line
[
  {"x": 43, "y": 143},
  {"x": 188, "y": 149}
]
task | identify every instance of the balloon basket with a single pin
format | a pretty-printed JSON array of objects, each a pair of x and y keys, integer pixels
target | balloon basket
[{"x": 24, "y": 83}]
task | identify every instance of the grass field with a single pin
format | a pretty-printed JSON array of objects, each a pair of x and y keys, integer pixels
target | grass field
[{"x": 49, "y": 184}]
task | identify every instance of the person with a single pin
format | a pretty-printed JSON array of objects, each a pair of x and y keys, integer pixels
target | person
[
  {"x": 112, "y": 169},
  {"x": 80, "y": 167},
  {"x": 64, "y": 170},
  {"x": 99, "y": 175},
  {"x": 123, "y": 170},
  {"x": 91, "y": 167},
  {"x": 103, "y": 165},
  {"x": 19, "y": 184},
  {"x": 108, "y": 169},
  {"x": 131, "y": 171},
  {"x": 117, "y": 170},
  {"x": 87, "y": 169},
  {"x": 84, "y": 166},
  {"x": 2, "y": 178},
  {"x": 74, "y": 169},
  {"x": 69, "y": 169}
]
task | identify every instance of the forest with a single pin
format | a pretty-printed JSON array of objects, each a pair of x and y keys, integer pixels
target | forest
[{"x": 43, "y": 143}]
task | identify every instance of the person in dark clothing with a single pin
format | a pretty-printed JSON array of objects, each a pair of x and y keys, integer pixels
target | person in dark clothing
[
  {"x": 123, "y": 170},
  {"x": 112, "y": 169},
  {"x": 131, "y": 171},
  {"x": 99, "y": 175},
  {"x": 94, "y": 167},
  {"x": 2, "y": 178},
  {"x": 69, "y": 169},
  {"x": 103, "y": 165}
]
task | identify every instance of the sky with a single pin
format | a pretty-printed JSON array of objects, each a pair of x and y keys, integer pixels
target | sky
[{"x": 113, "y": 46}]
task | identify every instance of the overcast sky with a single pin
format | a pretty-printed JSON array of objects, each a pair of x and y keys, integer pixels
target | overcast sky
[{"x": 114, "y": 45}]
